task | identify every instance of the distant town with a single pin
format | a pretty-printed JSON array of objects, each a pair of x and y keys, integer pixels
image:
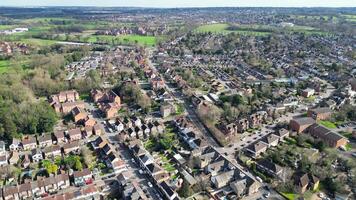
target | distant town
[{"x": 169, "y": 104}]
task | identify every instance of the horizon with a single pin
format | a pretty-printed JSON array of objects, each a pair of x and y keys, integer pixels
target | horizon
[{"x": 181, "y": 4}]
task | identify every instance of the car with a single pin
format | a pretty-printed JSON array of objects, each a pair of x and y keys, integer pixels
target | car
[
  {"x": 354, "y": 154},
  {"x": 133, "y": 160},
  {"x": 259, "y": 179},
  {"x": 140, "y": 171},
  {"x": 150, "y": 184},
  {"x": 266, "y": 194}
]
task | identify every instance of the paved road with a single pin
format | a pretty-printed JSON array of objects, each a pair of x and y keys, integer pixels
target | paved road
[{"x": 124, "y": 154}]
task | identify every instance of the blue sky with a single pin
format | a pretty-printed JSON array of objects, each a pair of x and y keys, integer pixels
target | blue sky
[{"x": 183, "y": 3}]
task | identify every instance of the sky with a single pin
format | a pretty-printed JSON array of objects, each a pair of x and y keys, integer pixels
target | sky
[{"x": 183, "y": 3}]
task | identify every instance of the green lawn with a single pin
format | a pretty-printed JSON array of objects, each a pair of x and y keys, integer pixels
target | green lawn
[
  {"x": 39, "y": 42},
  {"x": 242, "y": 29},
  {"x": 7, "y": 27},
  {"x": 290, "y": 196},
  {"x": 124, "y": 39},
  {"x": 4, "y": 66},
  {"x": 327, "y": 124},
  {"x": 214, "y": 28}
]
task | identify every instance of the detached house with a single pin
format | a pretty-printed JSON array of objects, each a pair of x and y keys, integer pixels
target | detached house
[
  {"x": 270, "y": 168},
  {"x": 270, "y": 140},
  {"x": 256, "y": 148}
]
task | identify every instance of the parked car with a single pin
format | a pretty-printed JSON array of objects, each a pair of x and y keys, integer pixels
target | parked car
[
  {"x": 150, "y": 184},
  {"x": 266, "y": 194}
]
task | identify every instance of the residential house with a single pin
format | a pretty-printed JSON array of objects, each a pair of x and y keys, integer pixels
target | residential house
[
  {"x": 270, "y": 168},
  {"x": 83, "y": 177},
  {"x": 320, "y": 113},
  {"x": 157, "y": 83},
  {"x": 67, "y": 107},
  {"x": 308, "y": 92},
  {"x": 25, "y": 162},
  {"x": 271, "y": 140},
  {"x": 25, "y": 191},
  {"x": 36, "y": 155},
  {"x": 71, "y": 147},
  {"x": 157, "y": 173},
  {"x": 167, "y": 109},
  {"x": 89, "y": 122},
  {"x": 301, "y": 124},
  {"x": 29, "y": 143},
  {"x": 353, "y": 84},
  {"x": 52, "y": 151},
  {"x": 65, "y": 96},
  {"x": 98, "y": 130},
  {"x": 228, "y": 129},
  {"x": 242, "y": 125},
  {"x": 331, "y": 138},
  {"x": 75, "y": 134},
  {"x": 15, "y": 145},
  {"x": 168, "y": 192},
  {"x": 62, "y": 181},
  {"x": 88, "y": 131},
  {"x": 256, "y": 148},
  {"x": 45, "y": 140},
  {"x": 14, "y": 158},
  {"x": 59, "y": 137},
  {"x": 10, "y": 193},
  {"x": 109, "y": 102},
  {"x": 3, "y": 161},
  {"x": 256, "y": 119},
  {"x": 282, "y": 134},
  {"x": 2, "y": 148},
  {"x": 79, "y": 116},
  {"x": 306, "y": 181}
]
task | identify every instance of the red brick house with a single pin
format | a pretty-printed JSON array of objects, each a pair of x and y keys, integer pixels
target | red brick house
[
  {"x": 300, "y": 124},
  {"x": 320, "y": 113}
]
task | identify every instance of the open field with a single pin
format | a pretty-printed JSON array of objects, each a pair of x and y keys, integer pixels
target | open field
[
  {"x": 38, "y": 42},
  {"x": 223, "y": 29},
  {"x": 351, "y": 18},
  {"x": 214, "y": 28},
  {"x": 4, "y": 66},
  {"x": 124, "y": 39},
  {"x": 327, "y": 124}
]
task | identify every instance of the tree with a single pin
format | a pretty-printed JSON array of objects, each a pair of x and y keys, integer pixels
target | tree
[
  {"x": 89, "y": 159},
  {"x": 320, "y": 145},
  {"x": 185, "y": 191},
  {"x": 50, "y": 167}
]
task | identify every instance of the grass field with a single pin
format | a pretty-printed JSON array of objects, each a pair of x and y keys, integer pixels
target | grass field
[
  {"x": 223, "y": 29},
  {"x": 124, "y": 39},
  {"x": 214, "y": 28},
  {"x": 290, "y": 196},
  {"x": 351, "y": 18},
  {"x": 327, "y": 124},
  {"x": 39, "y": 42},
  {"x": 4, "y": 66}
]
